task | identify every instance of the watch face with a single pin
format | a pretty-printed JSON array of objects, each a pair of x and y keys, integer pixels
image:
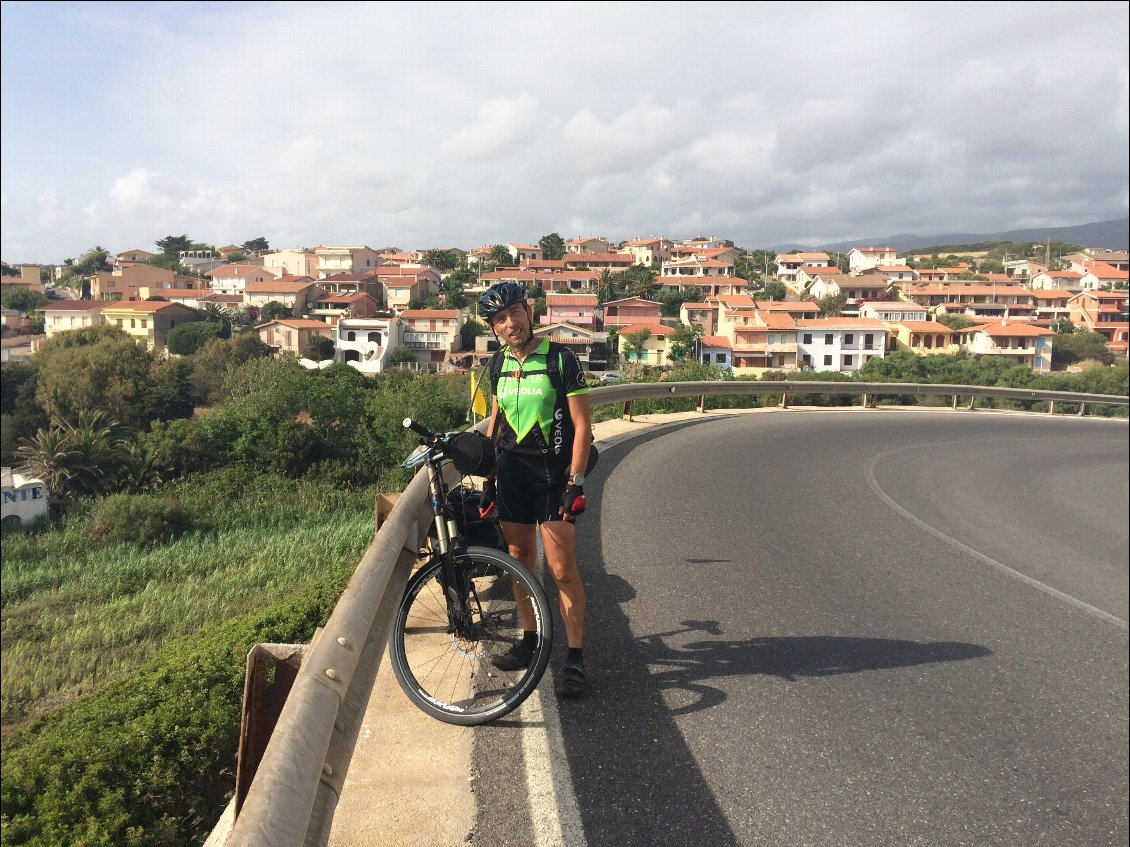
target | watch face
[{"x": 577, "y": 479}]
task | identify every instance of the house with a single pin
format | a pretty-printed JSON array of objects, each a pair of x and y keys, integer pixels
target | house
[
  {"x": 292, "y": 335},
  {"x": 432, "y": 334},
  {"x": 703, "y": 315},
  {"x": 758, "y": 340},
  {"x": 922, "y": 337},
  {"x": 696, "y": 268},
  {"x": 590, "y": 345},
  {"x": 296, "y": 292},
  {"x": 347, "y": 259},
  {"x": 650, "y": 252},
  {"x": 943, "y": 274},
  {"x": 654, "y": 346},
  {"x": 66, "y": 315},
  {"x": 403, "y": 287},
  {"x": 796, "y": 309},
  {"x": 1117, "y": 259},
  {"x": 1022, "y": 270},
  {"x": 559, "y": 281},
  {"x": 132, "y": 257},
  {"x": 715, "y": 350},
  {"x": 193, "y": 297},
  {"x": 1104, "y": 312},
  {"x": 595, "y": 244},
  {"x": 631, "y": 310},
  {"x": 1051, "y": 305},
  {"x": 975, "y": 298},
  {"x": 525, "y": 252},
  {"x": 599, "y": 261},
  {"x": 29, "y": 279},
  {"x": 1022, "y": 342},
  {"x": 840, "y": 344},
  {"x": 861, "y": 259},
  {"x": 24, "y": 497},
  {"x": 893, "y": 273},
  {"x": 292, "y": 262},
  {"x": 789, "y": 263},
  {"x": 892, "y": 311},
  {"x": 1056, "y": 281},
  {"x": 367, "y": 283},
  {"x": 148, "y": 321},
  {"x": 544, "y": 265},
  {"x": 576, "y": 309},
  {"x": 1099, "y": 274},
  {"x": 233, "y": 279},
  {"x": 125, "y": 282},
  {"x": 857, "y": 289},
  {"x": 366, "y": 344},
  {"x": 333, "y": 308}
]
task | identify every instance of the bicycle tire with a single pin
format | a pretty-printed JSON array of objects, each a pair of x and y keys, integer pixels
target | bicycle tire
[{"x": 450, "y": 676}]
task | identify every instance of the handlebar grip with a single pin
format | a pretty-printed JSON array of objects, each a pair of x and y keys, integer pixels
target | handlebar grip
[{"x": 419, "y": 429}]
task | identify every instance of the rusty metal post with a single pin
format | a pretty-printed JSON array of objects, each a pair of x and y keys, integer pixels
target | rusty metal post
[{"x": 627, "y": 410}]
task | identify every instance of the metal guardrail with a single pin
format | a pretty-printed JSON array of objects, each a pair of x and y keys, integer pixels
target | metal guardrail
[{"x": 291, "y": 796}]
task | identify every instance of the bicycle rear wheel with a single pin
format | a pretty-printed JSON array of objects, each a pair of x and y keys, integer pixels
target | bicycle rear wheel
[{"x": 449, "y": 672}]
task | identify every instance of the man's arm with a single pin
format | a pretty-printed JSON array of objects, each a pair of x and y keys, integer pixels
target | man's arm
[{"x": 580, "y": 410}]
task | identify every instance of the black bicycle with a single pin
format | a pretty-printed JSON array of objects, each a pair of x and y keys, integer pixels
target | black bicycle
[{"x": 466, "y": 606}]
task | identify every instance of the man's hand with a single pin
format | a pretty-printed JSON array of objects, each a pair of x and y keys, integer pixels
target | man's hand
[
  {"x": 486, "y": 499},
  {"x": 572, "y": 502}
]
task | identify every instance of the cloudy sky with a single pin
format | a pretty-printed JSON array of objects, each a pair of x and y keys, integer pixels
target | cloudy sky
[{"x": 458, "y": 124}]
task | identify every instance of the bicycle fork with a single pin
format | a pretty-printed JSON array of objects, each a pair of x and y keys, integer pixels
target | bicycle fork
[{"x": 458, "y": 614}]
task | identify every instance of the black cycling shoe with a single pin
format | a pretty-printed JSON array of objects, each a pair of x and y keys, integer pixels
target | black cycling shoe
[
  {"x": 573, "y": 683},
  {"x": 517, "y": 657}
]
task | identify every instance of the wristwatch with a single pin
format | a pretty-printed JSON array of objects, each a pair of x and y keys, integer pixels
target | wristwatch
[{"x": 577, "y": 480}]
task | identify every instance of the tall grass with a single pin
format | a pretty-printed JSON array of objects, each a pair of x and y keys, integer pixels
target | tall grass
[{"x": 77, "y": 613}]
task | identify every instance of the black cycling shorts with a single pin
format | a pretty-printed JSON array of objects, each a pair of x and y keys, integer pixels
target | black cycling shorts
[{"x": 528, "y": 487}]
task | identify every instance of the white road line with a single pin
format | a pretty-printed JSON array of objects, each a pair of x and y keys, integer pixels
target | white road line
[
  {"x": 553, "y": 805},
  {"x": 869, "y": 473}
]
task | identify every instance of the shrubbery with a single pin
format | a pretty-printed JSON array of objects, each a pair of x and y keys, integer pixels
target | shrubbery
[{"x": 142, "y": 519}]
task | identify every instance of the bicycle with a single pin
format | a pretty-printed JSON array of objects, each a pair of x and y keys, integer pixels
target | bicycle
[{"x": 464, "y": 606}]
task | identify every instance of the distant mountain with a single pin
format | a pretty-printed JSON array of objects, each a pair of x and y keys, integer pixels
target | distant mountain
[{"x": 1111, "y": 235}]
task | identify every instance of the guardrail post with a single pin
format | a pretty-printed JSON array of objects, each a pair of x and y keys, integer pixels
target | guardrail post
[
  {"x": 972, "y": 400},
  {"x": 955, "y": 402},
  {"x": 784, "y": 402},
  {"x": 1051, "y": 407},
  {"x": 702, "y": 404},
  {"x": 627, "y": 410},
  {"x": 1082, "y": 409}
]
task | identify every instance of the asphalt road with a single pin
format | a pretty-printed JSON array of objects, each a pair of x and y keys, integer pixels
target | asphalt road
[{"x": 837, "y": 629}]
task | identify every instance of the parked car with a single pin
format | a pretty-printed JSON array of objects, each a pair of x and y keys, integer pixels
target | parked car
[{"x": 610, "y": 376}]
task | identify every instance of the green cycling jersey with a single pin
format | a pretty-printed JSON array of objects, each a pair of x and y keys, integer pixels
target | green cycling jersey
[{"x": 534, "y": 412}]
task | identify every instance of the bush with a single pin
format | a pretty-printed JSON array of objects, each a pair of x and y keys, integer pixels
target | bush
[{"x": 141, "y": 519}]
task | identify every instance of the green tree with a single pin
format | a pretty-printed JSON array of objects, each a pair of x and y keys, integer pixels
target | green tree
[
  {"x": 256, "y": 245},
  {"x": 23, "y": 300},
  {"x": 211, "y": 364},
  {"x": 671, "y": 302},
  {"x": 76, "y": 459},
  {"x": 402, "y": 356},
  {"x": 499, "y": 256},
  {"x": 552, "y": 246},
  {"x": 93, "y": 261},
  {"x": 469, "y": 332},
  {"x": 638, "y": 281},
  {"x": 322, "y": 348},
  {"x": 272, "y": 310},
  {"x": 633, "y": 343},
  {"x": 172, "y": 245},
  {"x": 186, "y": 339},
  {"x": 682, "y": 343},
  {"x": 608, "y": 287},
  {"x": 832, "y": 305},
  {"x": 442, "y": 260},
  {"x": 775, "y": 290},
  {"x": 1071, "y": 348},
  {"x": 95, "y": 368},
  {"x": 955, "y": 321}
]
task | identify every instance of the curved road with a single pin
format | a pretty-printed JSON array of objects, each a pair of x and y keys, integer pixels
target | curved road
[{"x": 839, "y": 628}]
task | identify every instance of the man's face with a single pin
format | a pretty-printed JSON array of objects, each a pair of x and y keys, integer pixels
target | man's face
[{"x": 512, "y": 324}]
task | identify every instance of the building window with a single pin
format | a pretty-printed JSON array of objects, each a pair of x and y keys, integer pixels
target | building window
[
  {"x": 828, "y": 339},
  {"x": 849, "y": 338},
  {"x": 808, "y": 338},
  {"x": 849, "y": 361},
  {"x": 868, "y": 341},
  {"x": 827, "y": 360}
]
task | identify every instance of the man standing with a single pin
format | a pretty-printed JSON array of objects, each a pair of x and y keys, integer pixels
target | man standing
[{"x": 541, "y": 425}]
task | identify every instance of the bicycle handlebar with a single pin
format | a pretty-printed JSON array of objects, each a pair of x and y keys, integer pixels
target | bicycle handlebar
[{"x": 420, "y": 430}]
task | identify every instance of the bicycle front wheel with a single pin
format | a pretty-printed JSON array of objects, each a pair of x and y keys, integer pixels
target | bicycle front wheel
[{"x": 462, "y": 672}]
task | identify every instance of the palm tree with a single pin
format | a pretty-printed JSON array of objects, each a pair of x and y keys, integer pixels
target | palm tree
[
  {"x": 76, "y": 460},
  {"x": 500, "y": 255}
]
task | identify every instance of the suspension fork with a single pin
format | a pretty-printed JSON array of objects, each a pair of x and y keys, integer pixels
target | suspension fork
[{"x": 453, "y": 579}]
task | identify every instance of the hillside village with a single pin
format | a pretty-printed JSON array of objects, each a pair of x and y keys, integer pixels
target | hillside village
[{"x": 384, "y": 307}]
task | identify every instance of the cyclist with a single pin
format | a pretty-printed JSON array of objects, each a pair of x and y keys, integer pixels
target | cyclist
[{"x": 541, "y": 425}]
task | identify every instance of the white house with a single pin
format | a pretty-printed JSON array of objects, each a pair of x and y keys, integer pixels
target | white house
[
  {"x": 863, "y": 258},
  {"x": 839, "y": 344},
  {"x": 366, "y": 344},
  {"x": 25, "y": 498}
]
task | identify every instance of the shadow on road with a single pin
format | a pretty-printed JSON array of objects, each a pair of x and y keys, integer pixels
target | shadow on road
[{"x": 789, "y": 658}]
